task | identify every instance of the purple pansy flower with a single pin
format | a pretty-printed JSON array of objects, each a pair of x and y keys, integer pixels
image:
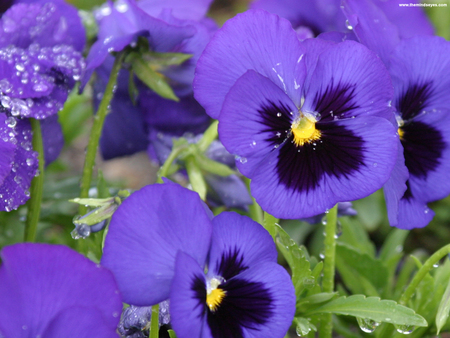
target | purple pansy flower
[
  {"x": 420, "y": 71},
  {"x": 169, "y": 27},
  {"x": 18, "y": 162},
  {"x": 50, "y": 290},
  {"x": 121, "y": 23},
  {"x": 40, "y": 62},
  {"x": 308, "y": 121},
  {"x": 320, "y": 16},
  {"x": 37, "y": 70},
  {"x": 161, "y": 239}
]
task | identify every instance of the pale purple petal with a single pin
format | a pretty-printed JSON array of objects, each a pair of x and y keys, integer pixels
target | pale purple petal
[
  {"x": 63, "y": 282},
  {"x": 14, "y": 190}
]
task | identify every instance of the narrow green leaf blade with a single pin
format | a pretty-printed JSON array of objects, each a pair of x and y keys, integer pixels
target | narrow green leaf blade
[
  {"x": 212, "y": 166},
  {"x": 172, "y": 334},
  {"x": 371, "y": 308},
  {"x": 154, "y": 80},
  {"x": 443, "y": 310},
  {"x": 370, "y": 268},
  {"x": 165, "y": 59},
  {"x": 393, "y": 244}
]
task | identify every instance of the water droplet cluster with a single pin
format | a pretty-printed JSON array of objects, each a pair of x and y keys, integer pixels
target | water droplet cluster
[
  {"x": 16, "y": 134},
  {"x": 38, "y": 79}
]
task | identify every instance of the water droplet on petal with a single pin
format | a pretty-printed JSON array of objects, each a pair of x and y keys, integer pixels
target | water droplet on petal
[
  {"x": 40, "y": 87},
  {"x": 347, "y": 24}
]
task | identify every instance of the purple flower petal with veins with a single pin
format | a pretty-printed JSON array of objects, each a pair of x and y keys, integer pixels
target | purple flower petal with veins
[{"x": 306, "y": 124}]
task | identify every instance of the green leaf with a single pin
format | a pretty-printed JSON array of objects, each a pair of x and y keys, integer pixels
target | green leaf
[
  {"x": 303, "y": 326},
  {"x": 362, "y": 264},
  {"x": 172, "y": 334},
  {"x": 93, "y": 202},
  {"x": 132, "y": 88},
  {"x": 154, "y": 80},
  {"x": 372, "y": 308},
  {"x": 77, "y": 110},
  {"x": 161, "y": 60},
  {"x": 304, "y": 304},
  {"x": 443, "y": 310},
  {"x": 212, "y": 166},
  {"x": 393, "y": 244},
  {"x": 196, "y": 177},
  {"x": 296, "y": 258},
  {"x": 356, "y": 236}
]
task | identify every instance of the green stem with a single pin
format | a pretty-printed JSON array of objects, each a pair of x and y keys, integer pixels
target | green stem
[
  {"x": 426, "y": 267},
  {"x": 326, "y": 326},
  {"x": 254, "y": 209},
  {"x": 269, "y": 224},
  {"x": 388, "y": 330},
  {"x": 154, "y": 322},
  {"x": 195, "y": 177},
  {"x": 166, "y": 166},
  {"x": 208, "y": 136},
  {"x": 37, "y": 185},
  {"x": 96, "y": 131}
]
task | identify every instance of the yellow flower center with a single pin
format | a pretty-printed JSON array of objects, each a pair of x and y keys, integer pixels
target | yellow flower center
[
  {"x": 400, "y": 133},
  {"x": 304, "y": 129},
  {"x": 214, "y": 298}
]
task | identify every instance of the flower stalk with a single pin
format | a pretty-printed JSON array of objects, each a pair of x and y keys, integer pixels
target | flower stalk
[
  {"x": 154, "y": 322},
  {"x": 37, "y": 185},
  {"x": 326, "y": 326},
  {"x": 96, "y": 131}
]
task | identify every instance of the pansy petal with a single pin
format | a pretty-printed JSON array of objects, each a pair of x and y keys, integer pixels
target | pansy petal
[
  {"x": 314, "y": 47},
  {"x": 277, "y": 282},
  {"x": 7, "y": 146},
  {"x": 238, "y": 243},
  {"x": 372, "y": 27},
  {"x": 192, "y": 10},
  {"x": 229, "y": 191},
  {"x": 52, "y": 137},
  {"x": 81, "y": 322},
  {"x": 124, "y": 131},
  {"x": 259, "y": 302},
  {"x": 349, "y": 80},
  {"x": 181, "y": 76},
  {"x": 255, "y": 119},
  {"x": 296, "y": 11},
  {"x": 413, "y": 213},
  {"x": 43, "y": 22},
  {"x": 62, "y": 278},
  {"x": 145, "y": 234},
  {"x": 426, "y": 142},
  {"x": 121, "y": 24},
  {"x": 254, "y": 40},
  {"x": 188, "y": 298},
  {"x": 395, "y": 187},
  {"x": 420, "y": 70},
  {"x": 320, "y": 16},
  {"x": 172, "y": 117},
  {"x": 410, "y": 20},
  {"x": 21, "y": 77},
  {"x": 353, "y": 160},
  {"x": 14, "y": 189}
]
